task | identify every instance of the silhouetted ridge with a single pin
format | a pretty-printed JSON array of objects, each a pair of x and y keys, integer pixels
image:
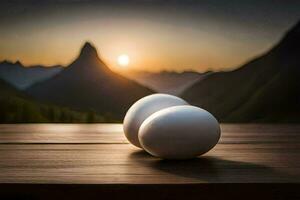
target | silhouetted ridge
[
  {"x": 290, "y": 43},
  {"x": 88, "y": 51},
  {"x": 294, "y": 32},
  {"x": 89, "y": 85},
  {"x": 88, "y": 64},
  {"x": 22, "y": 77},
  {"x": 266, "y": 89}
]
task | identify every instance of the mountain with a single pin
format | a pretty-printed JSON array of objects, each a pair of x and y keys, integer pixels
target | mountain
[
  {"x": 17, "y": 107},
  {"x": 22, "y": 77},
  {"x": 166, "y": 81},
  {"x": 266, "y": 89},
  {"x": 88, "y": 84}
]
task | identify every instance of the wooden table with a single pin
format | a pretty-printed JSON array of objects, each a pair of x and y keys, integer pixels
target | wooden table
[{"x": 84, "y": 161}]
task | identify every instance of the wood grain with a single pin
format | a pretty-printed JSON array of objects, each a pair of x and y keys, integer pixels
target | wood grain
[{"x": 100, "y": 154}]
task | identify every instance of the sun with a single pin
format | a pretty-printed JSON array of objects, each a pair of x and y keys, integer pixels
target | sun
[{"x": 123, "y": 60}]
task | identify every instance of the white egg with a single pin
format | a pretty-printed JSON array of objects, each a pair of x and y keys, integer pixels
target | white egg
[
  {"x": 179, "y": 132},
  {"x": 142, "y": 109}
]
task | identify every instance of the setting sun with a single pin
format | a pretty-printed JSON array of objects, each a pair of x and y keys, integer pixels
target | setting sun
[{"x": 123, "y": 60}]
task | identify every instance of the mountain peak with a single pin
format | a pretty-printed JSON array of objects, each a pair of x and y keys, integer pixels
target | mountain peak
[
  {"x": 88, "y": 45},
  {"x": 88, "y": 50},
  {"x": 18, "y": 63},
  {"x": 88, "y": 59}
]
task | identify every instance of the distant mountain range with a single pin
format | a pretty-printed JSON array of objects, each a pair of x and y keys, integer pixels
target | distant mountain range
[
  {"x": 88, "y": 84},
  {"x": 166, "y": 81},
  {"x": 266, "y": 89},
  {"x": 22, "y": 76}
]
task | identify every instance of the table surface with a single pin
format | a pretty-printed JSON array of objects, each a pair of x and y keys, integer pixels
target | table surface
[{"x": 100, "y": 154}]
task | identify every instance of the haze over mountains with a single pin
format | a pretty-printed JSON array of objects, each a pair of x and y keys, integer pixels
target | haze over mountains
[
  {"x": 266, "y": 89},
  {"x": 23, "y": 77},
  {"x": 88, "y": 84},
  {"x": 51, "y": 101},
  {"x": 167, "y": 81}
]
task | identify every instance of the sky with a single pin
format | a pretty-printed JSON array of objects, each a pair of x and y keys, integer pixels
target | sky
[{"x": 157, "y": 35}]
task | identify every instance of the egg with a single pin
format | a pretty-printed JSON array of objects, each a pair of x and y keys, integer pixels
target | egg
[
  {"x": 142, "y": 109},
  {"x": 179, "y": 132}
]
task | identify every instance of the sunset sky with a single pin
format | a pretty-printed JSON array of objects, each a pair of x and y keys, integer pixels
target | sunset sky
[{"x": 155, "y": 34}]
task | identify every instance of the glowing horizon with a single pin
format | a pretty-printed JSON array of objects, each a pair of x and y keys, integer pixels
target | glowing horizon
[{"x": 190, "y": 36}]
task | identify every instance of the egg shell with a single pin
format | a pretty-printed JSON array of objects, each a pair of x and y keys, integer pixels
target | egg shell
[
  {"x": 142, "y": 109},
  {"x": 179, "y": 132}
]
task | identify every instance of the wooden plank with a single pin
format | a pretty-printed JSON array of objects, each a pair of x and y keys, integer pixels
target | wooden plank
[
  {"x": 62, "y": 133},
  {"x": 100, "y": 154},
  {"x": 113, "y": 133},
  {"x": 79, "y": 161}
]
